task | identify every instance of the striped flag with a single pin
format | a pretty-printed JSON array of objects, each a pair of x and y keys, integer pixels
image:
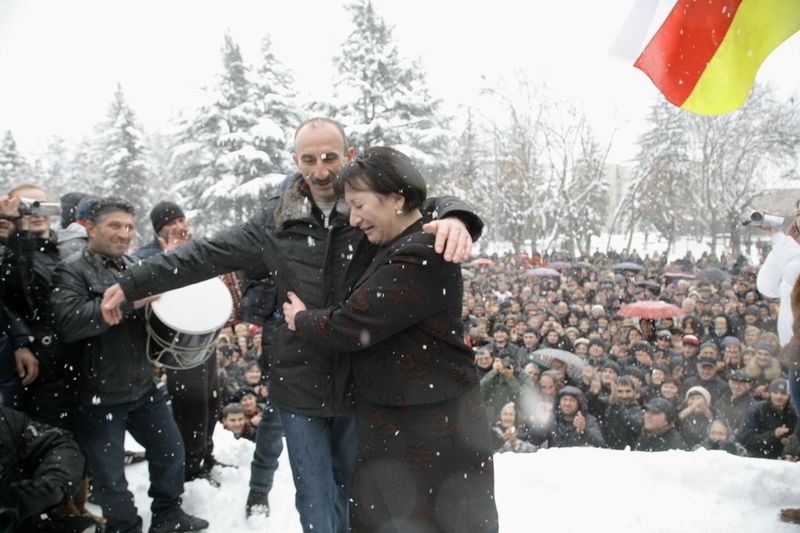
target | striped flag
[{"x": 705, "y": 55}]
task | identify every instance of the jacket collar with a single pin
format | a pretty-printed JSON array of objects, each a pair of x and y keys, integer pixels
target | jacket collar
[{"x": 296, "y": 204}]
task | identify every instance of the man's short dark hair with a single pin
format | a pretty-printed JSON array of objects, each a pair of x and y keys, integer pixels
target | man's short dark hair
[
  {"x": 232, "y": 408},
  {"x": 103, "y": 206}
]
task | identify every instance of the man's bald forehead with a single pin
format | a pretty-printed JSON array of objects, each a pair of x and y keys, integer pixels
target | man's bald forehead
[{"x": 321, "y": 121}]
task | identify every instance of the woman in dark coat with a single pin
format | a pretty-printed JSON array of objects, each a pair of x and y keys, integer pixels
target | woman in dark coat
[{"x": 425, "y": 454}]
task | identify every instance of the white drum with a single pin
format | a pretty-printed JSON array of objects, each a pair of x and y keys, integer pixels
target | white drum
[{"x": 183, "y": 324}]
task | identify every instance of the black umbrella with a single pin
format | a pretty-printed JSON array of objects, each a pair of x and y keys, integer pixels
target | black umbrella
[
  {"x": 714, "y": 275},
  {"x": 587, "y": 266},
  {"x": 628, "y": 266}
]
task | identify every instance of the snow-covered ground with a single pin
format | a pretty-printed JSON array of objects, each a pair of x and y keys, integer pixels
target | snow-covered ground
[{"x": 564, "y": 490}]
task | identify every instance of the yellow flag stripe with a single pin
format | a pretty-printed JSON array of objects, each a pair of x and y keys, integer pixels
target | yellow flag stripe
[{"x": 758, "y": 27}]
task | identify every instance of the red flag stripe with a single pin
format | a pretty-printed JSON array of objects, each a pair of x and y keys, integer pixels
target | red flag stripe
[{"x": 678, "y": 53}]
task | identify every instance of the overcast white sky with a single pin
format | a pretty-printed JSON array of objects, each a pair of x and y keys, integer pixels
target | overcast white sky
[{"x": 60, "y": 60}]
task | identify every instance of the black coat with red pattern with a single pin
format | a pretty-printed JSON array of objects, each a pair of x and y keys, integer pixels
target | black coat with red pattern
[{"x": 404, "y": 315}]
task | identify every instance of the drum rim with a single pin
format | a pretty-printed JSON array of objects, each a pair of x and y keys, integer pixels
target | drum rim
[{"x": 213, "y": 284}]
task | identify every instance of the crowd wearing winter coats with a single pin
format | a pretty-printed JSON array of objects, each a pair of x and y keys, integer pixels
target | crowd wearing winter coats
[{"x": 559, "y": 366}]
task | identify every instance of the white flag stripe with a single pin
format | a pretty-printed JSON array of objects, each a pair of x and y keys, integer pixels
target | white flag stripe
[{"x": 643, "y": 21}]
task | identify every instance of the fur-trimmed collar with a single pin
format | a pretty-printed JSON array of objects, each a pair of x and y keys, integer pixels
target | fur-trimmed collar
[{"x": 295, "y": 203}]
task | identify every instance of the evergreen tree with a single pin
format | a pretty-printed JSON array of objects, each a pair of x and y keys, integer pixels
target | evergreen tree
[
  {"x": 664, "y": 199},
  {"x": 14, "y": 170},
  {"x": 382, "y": 99},
  {"x": 229, "y": 149},
  {"x": 279, "y": 113},
  {"x": 123, "y": 154}
]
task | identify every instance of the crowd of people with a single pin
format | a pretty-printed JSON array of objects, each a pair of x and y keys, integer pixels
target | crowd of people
[
  {"x": 545, "y": 358},
  {"x": 560, "y": 366}
]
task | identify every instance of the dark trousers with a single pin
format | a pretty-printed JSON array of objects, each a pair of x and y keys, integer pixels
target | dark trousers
[
  {"x": 100, "y": 431},
  {"x": 269, "y": 445},
  {"x": 196, "y": 405}
]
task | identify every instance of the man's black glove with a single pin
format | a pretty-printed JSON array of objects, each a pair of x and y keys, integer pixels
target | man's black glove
[{"x": 36, "y": 496}]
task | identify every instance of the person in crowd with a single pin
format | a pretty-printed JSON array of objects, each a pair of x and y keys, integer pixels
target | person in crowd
[
  {"x": 707, "y": 377},
  {"x": 233, "y": 419},
  {"x": 689, "y": 348},
  {"x": 499, "y": 386},
  {"x": 40, "y": 468},
  {"x": 623, "y": 419},
  {"x": 658, "y": 429},
  {"x": 670, "y": 390},
  {"x": 503, "y": 349},
  {"x": 72, "y": 237},
  {"x": 696, "y": 415},
  {"x": 769, "y": 423},
  {"x": 505, "y": 435},
  {"x": 28, "y": 268},
  {"x": 763, "y": 368},
  {"x": 418, "y": 401},
  {"x": 252, "y": 409},
  {"x": 116, "y": 391},
  {"x": 484, "y": 362},
  {"x": 735, "y": 403},
  {"x": 776, "y": 279},
  {"x": 318, "y": 422},
  {"x": 191, "y": 391},
  {"x": 732, "y": 358},
  {"x": 720, "y": 437},
  {"x": 571, "y": 424}
]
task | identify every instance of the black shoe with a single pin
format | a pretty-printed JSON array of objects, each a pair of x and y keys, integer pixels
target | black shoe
[
  {"x": 257, "y": 504},
  {"x": 204, "y": 474},
  {"x": 177, "y": 522},
  {"x": 133, "y": 457},
  {"x": 65, "y": 524}
]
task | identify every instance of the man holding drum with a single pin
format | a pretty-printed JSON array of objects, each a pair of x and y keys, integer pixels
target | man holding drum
[{"x": 116, "y": 389}]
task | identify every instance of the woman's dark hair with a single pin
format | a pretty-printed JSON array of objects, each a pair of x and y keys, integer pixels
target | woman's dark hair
[{"x": 384, "y": 170}]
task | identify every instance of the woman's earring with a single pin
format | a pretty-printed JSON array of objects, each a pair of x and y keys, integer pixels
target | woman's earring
[{"x": 398, "y": 212}]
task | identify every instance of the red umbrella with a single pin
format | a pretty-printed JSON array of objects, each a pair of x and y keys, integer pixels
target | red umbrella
[
  {"x": 481, "y": 261},
  {"x": 650, "y": 309}
]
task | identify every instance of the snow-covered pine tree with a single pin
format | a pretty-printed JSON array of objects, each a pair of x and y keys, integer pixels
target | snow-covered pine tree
[
  {"x": 229, "y": 150},
  {"x": 664, "y": 197},
  {"x": 279, "y": 110},
  {"x": 123, "y": 158},
  {"x": 14, "y": 169},
  {"x": 383, "y": 99}
]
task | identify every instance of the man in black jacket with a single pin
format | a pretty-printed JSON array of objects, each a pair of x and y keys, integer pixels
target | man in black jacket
[
  {"x": 623, "y": 417},
  {"x": 659, "y": 433},
  {"x": 40, "y": 466},
  {"x": 769, "y": 423},
  {"x": 304, "y": 240},
  {"x": 116, "y": 390},
  {"x": 734, "y": 404}
]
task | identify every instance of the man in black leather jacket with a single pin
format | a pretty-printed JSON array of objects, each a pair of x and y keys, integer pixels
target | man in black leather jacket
[{"x": 116, "y": 389}]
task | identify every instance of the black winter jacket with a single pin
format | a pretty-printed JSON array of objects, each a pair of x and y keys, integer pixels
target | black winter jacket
[
  {"x": 28, "y": 275},
  {"x": 669, "y": 440},
  {"x": 112, "y": 360},
  {"x": 30, "y": 451},
  {"x": 622, "y": 425},
  {"x": 319, "y": 258},
  {"x": 758, "y": 430}
]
